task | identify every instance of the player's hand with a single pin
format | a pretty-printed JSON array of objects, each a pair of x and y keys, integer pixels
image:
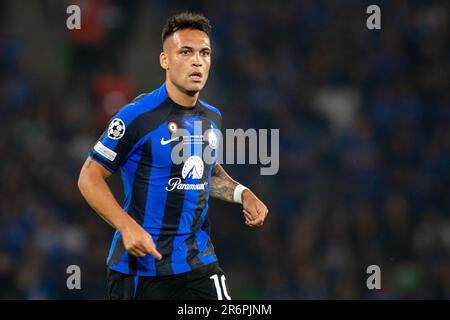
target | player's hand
[
  {"x": 137, "y": 241},
  {"x": 255, "y": 211}
]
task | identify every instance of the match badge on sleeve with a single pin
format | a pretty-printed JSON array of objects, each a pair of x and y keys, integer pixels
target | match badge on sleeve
[
  {"x": 116, "y": 129},
  {"x": 105, "y": 151},
  {"x": 172, "y": 126}
]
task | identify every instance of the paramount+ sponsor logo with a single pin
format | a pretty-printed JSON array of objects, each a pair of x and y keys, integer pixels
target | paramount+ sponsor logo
[{"x": 193, "y": 169}]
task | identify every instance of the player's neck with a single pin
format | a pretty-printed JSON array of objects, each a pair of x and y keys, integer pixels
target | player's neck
[{"x": 180, "y": 97}]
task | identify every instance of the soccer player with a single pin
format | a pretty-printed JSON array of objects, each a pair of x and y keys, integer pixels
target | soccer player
[{"x": 161, "y": 248}]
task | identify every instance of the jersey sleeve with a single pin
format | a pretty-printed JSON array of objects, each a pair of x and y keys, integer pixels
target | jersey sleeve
[{"x": 116, "y": 142}]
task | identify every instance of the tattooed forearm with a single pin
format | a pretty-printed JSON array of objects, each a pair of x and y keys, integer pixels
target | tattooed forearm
[{"x": 222, "y": 186}]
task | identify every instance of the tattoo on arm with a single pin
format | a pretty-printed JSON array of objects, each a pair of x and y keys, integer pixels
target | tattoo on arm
[{"x": 221, "y": 184}]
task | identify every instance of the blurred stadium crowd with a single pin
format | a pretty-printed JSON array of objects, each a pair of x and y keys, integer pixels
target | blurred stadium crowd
[{"x": 364, "y": 119}]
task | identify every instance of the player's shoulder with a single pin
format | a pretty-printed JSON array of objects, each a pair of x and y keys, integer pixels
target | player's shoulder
[
  {"x": 142, "y": 104},
  {"x": 210, "y": 107}
]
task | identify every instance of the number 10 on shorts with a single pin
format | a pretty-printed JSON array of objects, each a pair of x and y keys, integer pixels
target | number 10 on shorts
[{"x": 220, "y": 286}]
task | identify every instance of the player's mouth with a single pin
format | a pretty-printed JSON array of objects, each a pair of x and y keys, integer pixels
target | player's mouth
[{"x": 196, "y": 76}]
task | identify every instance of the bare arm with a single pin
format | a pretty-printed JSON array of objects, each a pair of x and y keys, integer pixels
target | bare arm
[
  {"x": 222, "y": 187},
  {"x": 97, "y": 193}
]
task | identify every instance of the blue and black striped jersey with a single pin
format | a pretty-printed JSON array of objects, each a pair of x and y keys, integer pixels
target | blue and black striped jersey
[{"x": 169, "y": 200}]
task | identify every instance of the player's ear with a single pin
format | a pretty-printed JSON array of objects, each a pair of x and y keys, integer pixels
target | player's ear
[{"x": 163, "y": 60}]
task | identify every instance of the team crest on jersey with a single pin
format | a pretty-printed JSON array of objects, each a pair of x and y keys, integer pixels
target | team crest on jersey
[
  {"x": 212, "y": 139},
  {"x": 116, "y": 129},
  {"x": 193, "y": 168},
  {"x": 172, "y": 126}
]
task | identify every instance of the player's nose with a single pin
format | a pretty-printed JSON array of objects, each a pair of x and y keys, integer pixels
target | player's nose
[{"x": 196, "y": 61}]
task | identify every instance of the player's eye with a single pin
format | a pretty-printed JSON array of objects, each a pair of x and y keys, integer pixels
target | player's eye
[
  {"x": 185, "y": 52},
  {"x": 205, "y": 53}
]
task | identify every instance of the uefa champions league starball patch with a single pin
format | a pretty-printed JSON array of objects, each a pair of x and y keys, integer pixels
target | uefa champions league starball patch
[
  {"x": 116, "y": 129},
  {"x": 172, "y": 126}
]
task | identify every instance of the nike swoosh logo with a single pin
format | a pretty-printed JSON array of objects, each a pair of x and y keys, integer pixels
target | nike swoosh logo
[{"x": 164, "y": 142}]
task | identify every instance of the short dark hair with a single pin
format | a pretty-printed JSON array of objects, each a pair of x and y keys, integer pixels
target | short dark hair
[{"x": 185, "y": 20}]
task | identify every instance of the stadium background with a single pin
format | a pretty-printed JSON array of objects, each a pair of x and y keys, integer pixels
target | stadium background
[{"x": 364, "y": 119}]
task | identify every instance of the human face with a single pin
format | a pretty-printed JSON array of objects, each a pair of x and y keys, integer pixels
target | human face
[{"x": 187, "y": 59}]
